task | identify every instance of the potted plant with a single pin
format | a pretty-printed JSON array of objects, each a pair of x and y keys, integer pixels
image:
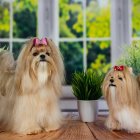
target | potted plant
[{"x": 87, "y": 89}]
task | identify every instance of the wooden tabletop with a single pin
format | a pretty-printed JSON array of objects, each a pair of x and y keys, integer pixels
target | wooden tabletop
[{"x": 74, "y": 129}]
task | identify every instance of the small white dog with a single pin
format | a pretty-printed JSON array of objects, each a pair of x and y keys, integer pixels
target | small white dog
[
  {"x": 29, "y": 94},
  {"x": 121, "y": 91}
]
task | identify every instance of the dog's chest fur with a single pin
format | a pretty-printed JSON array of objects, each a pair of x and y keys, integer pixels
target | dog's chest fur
[
  {"x": 124, "y": 114},
  {"x": 113, "y": 94},
  {"x": 125, "y": 117},
  {"x": 42, "y": 74},
  {"x": 34, "y": 106}
]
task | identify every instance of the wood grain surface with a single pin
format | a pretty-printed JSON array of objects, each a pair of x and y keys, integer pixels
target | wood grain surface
[
  {"x": 74, "y": 129},
  {"x": 100, "y": 132}
]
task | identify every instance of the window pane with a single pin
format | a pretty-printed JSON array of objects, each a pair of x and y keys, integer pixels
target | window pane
[
  {"x": 16, "y": 49},
  {"x": 71, "y": 19},
  {"x": 136, "y": 18},
  {"x": 25, "y": 18},
  {"x": 4, "y": 46},
  {"x": 98, "y": 56},
  {"x": 73, "y": 58},
  {"x": 4, "y": 19},
  {"x": 98, "y": 18}
]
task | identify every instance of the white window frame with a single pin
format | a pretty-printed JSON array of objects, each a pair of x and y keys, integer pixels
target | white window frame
[
  {"x": 121, "y": 31},
  {"x": 48, "y": 21},
  {"x": 53, "y": 7},
  {"x": 10, "y": 40}
]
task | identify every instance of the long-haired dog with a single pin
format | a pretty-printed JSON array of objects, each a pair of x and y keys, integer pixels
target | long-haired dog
[
  {"x": 29, "y": 94},
  {"x": 120, "y": 89}
]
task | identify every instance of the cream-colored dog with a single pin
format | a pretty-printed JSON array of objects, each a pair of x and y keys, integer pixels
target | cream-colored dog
[
  {"x": 121, "y": 91},
  {"x": 29, "y": 94}
]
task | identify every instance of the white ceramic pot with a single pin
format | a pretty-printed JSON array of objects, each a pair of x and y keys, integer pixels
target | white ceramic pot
[{"x": 88, "y": 110}]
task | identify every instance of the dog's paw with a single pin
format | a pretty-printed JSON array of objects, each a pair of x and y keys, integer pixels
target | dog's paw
[
  {"x": 112, "y": 124},
  {"x": 32, "y": 131},
  {"x": 52, "y": 128},
  {"x": 133, "y": 131}
]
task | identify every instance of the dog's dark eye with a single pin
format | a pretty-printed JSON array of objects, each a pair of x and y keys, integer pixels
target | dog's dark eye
[
  {"x": 48, "y": 53},
  {"x": 35, "y": 53},
  {"x": 120, "y": 78}
]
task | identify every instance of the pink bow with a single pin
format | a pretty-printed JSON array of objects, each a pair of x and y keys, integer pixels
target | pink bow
[
  {"x": 119, "y": 68},
  {"x": 37, "y": 42}
]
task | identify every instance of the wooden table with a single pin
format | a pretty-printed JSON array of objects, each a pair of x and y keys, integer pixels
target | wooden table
[{"x": 73, "y": 129}]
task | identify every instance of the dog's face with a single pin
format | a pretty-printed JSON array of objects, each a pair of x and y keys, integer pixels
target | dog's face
[
  {"x": 39, "y": 64},
  {"x": 120, "y": 84},
  {"x": 40, "y": 55},
  {"x": 116, "y": 79},
  {"x": 40, "y": 59}
]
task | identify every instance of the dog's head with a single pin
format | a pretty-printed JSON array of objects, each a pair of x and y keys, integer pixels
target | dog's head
[
  {"x": 39, "y": 63},
  {"x": 120, "y": 83}
]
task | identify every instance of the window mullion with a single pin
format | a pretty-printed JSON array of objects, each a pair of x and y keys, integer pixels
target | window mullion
[
  {"x": 120, "y": 27},
  {"x": 48, "y": 19},
  {"x": 84, "y": 36},
  {"x": 11, "y": 26}
]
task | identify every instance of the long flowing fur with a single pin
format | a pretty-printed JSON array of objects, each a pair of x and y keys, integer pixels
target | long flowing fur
[
  {"x": 30, "y": 92},
  {"x": 123, "y": 99}
]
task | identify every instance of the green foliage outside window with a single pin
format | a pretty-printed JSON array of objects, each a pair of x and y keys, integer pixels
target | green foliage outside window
[
  {"x": 98, "y": 59},
  {"x": 136, "y": 18},
  {"x": 24, "y": 21},
  {"x": 70, "y": 26},
  {"x": 98, "y": 25},
  {"x": 4, "y": 20},
  {"x": 25, "y": 18},
  {"x": 73, "y": 58},
  {"x": 69, "y": 12}
]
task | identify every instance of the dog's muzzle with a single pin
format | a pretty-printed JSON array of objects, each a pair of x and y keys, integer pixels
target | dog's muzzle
[{"x": 112, "y": 85}]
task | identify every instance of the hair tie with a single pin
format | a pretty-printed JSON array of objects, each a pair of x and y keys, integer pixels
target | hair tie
[{"x": 119, "y": 68}]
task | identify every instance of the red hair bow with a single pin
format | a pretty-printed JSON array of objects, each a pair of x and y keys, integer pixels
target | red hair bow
[
  {"x": 119, "y": 68},
  {"x": 37, "y": 42}
]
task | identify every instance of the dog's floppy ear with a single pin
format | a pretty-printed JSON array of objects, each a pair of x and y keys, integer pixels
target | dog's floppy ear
[
  {"x": 21, "y": 64},
  {"x": 138, "y": 79},
  {"x": 58, "y": 59}
]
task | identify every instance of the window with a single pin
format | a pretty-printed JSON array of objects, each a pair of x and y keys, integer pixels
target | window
[
  {"x": 84, "y": 29},
  {"x": 84, "y": 36},
  {"x": 89, "y": 32},
  {"x": 19, "y": 22},
  {"x": 4, "y": 24}
]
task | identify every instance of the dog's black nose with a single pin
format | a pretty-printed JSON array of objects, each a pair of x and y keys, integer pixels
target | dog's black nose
[
  {"x": 42, "y": 56},
  {"x": 111, "y": 80}
]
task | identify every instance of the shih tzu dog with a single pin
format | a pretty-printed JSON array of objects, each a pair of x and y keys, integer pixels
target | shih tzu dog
[
  {"x": 120, "y": 89},
  {"x": 29, "y": 92}
]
